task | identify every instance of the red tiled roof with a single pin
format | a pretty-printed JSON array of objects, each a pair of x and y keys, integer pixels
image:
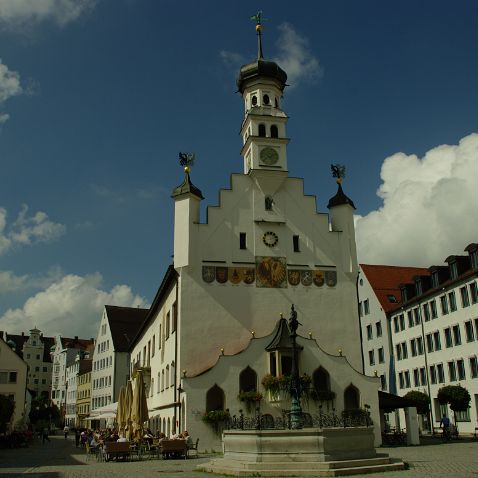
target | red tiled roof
[{"x": 386, "y": 280}]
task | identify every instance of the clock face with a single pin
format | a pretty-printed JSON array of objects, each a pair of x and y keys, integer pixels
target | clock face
[
  {"x": 270, "y": 239},
  {"x": 269, "y": 156}
]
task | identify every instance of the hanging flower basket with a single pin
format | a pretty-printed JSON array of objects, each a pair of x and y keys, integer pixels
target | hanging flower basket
[
  {"x": 216, "y": 419},
  {"x": 252, "y": 399}
]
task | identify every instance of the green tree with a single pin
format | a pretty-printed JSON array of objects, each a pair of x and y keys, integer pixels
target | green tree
[
  {"x": 421, "y": 399},
  {"x": 456, "y": 396},
  {"x": 44, "y": 411},
  {"x": 6, "y": 411}
]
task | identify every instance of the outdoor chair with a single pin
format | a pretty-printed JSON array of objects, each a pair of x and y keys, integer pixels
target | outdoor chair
[
  {"x": 194, "y": 449},
  {"x": 91, "y": 451}
]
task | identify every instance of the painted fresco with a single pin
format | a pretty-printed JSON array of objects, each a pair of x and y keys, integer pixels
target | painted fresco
[{"x": 270, "y": 272}]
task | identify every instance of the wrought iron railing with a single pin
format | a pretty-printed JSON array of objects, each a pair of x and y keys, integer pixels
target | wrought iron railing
[{"x": 259, "y": 421}]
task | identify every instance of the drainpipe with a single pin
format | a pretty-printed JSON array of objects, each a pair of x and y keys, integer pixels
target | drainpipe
[{"x": 176, "y": 332}]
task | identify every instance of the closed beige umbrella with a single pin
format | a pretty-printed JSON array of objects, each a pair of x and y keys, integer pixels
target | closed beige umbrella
[
  {"x": 140, "y": 406},
  {"x": 120, "y": 412},
  {"x": 128, "y": 403}
]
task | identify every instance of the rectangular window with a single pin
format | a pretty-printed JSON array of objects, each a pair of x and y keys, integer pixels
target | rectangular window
[
  {"x": 465, "y": 298},
  {"x": 410, "y": 318},
  {"x": 463, "y": 416},
  {"x": 423, "y": 376},
  {"x": 433, "y": 309},
  {"x": 381, "y": 355},
  {"x": 295, "y": 241},
  {"x": 426, "y": 312},
  {"x": 402, "y": 322},
  {"x": 413, "y": 347},
  {"x": 470, "y": 336},
  {"x": 401, "y": 381},
  {"x": 460, "y": 366},
  {"x": 416, "y": 378},
  {"x": 407, "y": 379},
  {"x": 404, "y": 350},
  {"x": 444, "y": 305},
  {"x": 396, "y": 327},
  {"x": 441, "y": 373},
  {"x": 361, "y": 309},
  {"x": 383, "y": 382},
  {"x": 242, "y": 240},
  {"x": 452, "y": 371},
  {"x": 429, "y": 339},
  {"x": 378, "y": 328},
  {"x": 474, "y": 367},
  {"x": 168, "y": 324},
  {"x": 153, "y": 346},
  {"x": 366, "y": 308},
  {"x": 398, "y": 351},
  {"x": 371, "y": 357},
  {"x": 369, "y": 332},
  {"x": 416, "y": 315},
  {"x": 12, "y": 377},
  {"x": 433, "y": 374},
  {"x": 474, "y": 293},
  {"x": 420, "y": 346},
  {"x": 436, "y": 339},
  {"x": 448, "y": 339},
  {"x": 174, "y": 324},
  {"x": 159, "y": 337},
  {"x": 452, "y": 301},
  {"x": 456, "y": 335}
]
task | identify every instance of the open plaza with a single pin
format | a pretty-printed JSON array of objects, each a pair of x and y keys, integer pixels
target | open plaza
[{"x": 60, "y": 458}]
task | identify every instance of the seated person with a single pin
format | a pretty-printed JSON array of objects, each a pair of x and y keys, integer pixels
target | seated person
[
  {"x": 122, "y": 439},
  {"x": 187, "y": 437}
]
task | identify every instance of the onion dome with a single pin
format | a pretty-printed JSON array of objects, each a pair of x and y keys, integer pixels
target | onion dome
[{"x": 261, "y": 68}]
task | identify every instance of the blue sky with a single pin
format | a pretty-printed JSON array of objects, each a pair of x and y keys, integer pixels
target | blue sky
[{"x": 97, "y": 98}]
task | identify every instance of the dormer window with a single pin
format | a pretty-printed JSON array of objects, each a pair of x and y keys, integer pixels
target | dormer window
[
  {"x": 453, "y": 270},
  {"x": 435, "y": 280},
  {"x": 403, "y": 292},
  {"x": 418, "y": 286},
  {"x": 474, "y": 259}
]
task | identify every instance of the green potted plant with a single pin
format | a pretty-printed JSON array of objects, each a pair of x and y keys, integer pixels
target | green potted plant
[
  {"x": 251, "y": 398},
  {"x": 216, "y": 419}
]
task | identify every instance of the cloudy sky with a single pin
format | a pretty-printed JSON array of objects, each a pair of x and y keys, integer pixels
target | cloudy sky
[{"x": 98, "y": 96}]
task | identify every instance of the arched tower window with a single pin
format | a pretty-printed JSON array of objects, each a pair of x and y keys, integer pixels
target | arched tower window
[
  {"x": 274, "y": 131},
  {"x": 276, "y": 103},
  {"x": 321, "y": 380},
  {"x": 248, "y": 380},
  {"x": 262, "y": 130},
  {"x": 266, "y": 100},
  {"x": 351, "y": 398},
  {"x": 268, "y": 203},
  {"x": 215, "y": 399}
]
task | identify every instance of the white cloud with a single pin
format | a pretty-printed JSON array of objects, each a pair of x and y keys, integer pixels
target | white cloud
[
  {"x": 9, "y": 282},
  {"x": 21, "y": 12},
  {"x": 232, "y": 60},
  {"x": 27, "y": 230},
  {"x": 295, "y": 57},
  {"x": 70, "y": 306},
  {"x": 9, "y": 86},
  {"x": 429, "y": 207}
]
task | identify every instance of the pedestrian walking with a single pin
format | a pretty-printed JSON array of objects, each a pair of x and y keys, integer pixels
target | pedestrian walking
[
  {"x": 44, "y": 435},
  {"x": 65, "y": 431}
]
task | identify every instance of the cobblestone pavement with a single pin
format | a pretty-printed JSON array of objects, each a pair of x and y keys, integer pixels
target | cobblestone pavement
[{"x": 59, "y": 458}]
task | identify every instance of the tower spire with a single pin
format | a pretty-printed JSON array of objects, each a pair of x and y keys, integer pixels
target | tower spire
[{"x": 258, "y": 19}]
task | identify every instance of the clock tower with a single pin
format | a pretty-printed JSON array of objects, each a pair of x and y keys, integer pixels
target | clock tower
[{"x": 263, "y": 129}]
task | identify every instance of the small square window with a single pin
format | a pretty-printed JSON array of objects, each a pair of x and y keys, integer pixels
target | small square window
[{"x": 242, "y": 240}]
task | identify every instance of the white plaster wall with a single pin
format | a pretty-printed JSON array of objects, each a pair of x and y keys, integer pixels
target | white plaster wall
[
  {"x": 376, "y": 314},
  {"x": 226, "y": 375},
  {"x": 225, "y": 314},
  {"x": 464, "y": 351}
]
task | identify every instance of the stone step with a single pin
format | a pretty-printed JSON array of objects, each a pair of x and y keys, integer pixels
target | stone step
[{"x": 311, "y": 470}]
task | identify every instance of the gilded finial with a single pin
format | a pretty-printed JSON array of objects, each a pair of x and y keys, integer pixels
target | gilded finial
[
  {"x": 253, "y": 333},
  {"x": 222, "y": 350},
  {"x": 340, "y": 352},
  {"x": 338, "y": 171},
  {"x": 310, "y": 335},
  {"x": 258, "y": 19}
]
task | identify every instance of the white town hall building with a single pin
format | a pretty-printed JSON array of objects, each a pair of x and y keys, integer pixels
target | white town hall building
[{"x": 213, "y": 329}]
